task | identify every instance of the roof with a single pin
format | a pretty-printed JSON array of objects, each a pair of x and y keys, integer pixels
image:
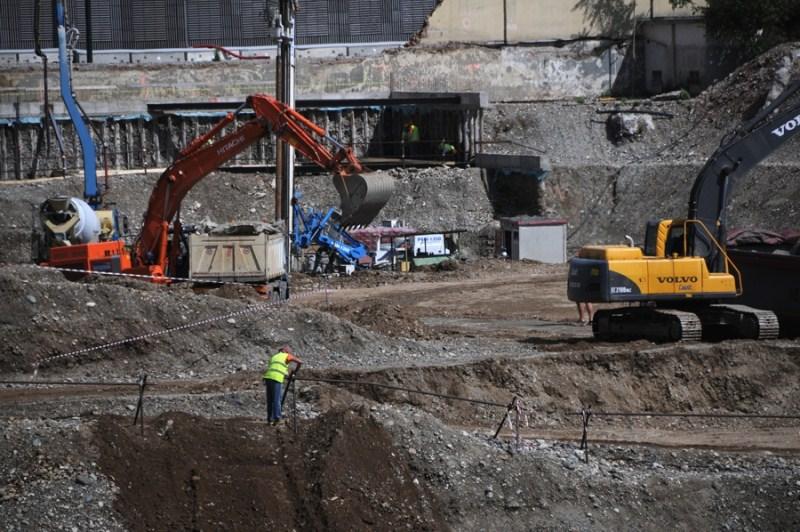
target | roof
[
  {"x": 399, "y": 232},
  {"x": 531, "y": 221}
]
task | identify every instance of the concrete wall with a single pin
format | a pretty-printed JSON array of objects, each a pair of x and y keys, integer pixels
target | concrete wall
[
  {"x": 538, "y": 20},
  {"x": 507, "y": 74}
]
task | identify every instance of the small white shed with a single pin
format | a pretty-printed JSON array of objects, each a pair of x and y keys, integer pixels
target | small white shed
[{"x": 534, "y": 238}]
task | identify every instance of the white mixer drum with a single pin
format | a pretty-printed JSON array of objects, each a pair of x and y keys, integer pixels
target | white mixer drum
[
  {"x": 88, "y": 227},
  {"x": 71, "y": 220}
]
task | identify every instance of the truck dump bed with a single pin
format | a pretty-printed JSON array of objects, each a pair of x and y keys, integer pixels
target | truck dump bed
[
  {"x": 771, "y": 281},
  {"x": 246, "y": 258}
]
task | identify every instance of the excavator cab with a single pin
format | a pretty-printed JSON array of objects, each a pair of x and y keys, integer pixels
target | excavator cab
[{"x": 665, "y": 239}]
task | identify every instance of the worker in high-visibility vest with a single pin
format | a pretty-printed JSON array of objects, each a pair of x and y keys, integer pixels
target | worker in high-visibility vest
[
  {"x": 276, "y": 373},
  {"x": 411, "y": 137},
  {"x": 446, "y": 149}
]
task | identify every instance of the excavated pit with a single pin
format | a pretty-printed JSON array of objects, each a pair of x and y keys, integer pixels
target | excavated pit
[{"x": 246, "y": 475}]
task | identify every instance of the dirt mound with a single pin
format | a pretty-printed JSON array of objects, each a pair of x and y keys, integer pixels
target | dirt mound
[
  {"x": 746, "y": 90},
  {"x": 173, "y": 331},
  {"x": 383, "y": 317},
  {"x": 341, "y": 472}
]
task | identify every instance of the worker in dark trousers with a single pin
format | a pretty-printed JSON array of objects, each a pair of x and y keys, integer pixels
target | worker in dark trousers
[{"x": 276, "y": 373}]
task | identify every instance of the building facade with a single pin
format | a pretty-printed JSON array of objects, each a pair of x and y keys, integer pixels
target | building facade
[{"x": 160, "y": 24}]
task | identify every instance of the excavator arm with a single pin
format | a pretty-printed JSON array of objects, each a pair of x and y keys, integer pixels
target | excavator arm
[
  {"x": 738, "y": 153},
  {"x": 362, "y": 196}
]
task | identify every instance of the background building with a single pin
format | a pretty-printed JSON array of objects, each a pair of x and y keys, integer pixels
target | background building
[
  {"x": 156, "y": 24},
  {"x": 518, "y": 21}
]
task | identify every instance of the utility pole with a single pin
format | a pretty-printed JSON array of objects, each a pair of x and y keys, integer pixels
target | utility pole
[
  {"x": 89, "y": 38},
  {"x": 284, "y": 88}
]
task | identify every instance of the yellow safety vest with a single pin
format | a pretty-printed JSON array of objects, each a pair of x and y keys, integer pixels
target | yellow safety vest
[
  {"x": 278, "y": 368},
  {"x": 412, "y": 133}
]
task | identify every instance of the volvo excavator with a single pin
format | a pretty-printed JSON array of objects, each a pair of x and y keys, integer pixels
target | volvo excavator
[
  {"x": 682, "y": 285},
  {"x": 157, "y": 253}
]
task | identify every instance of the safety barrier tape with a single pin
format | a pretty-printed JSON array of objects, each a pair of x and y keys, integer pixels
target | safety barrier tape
[
  {"x": 254, "y": 308},
  {"x": 68, "y": 383},
  {"x": 142, "y": 276}
]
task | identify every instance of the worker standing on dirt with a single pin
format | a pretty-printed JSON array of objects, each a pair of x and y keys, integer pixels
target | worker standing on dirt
[
  {"x": 585, "y": 312},
  {"x": 276, "y": 373}
]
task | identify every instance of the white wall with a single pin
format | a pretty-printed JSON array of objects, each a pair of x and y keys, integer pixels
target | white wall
[
  {"x": 534, "y": 20},
  {"x": 544, "y": 243}
]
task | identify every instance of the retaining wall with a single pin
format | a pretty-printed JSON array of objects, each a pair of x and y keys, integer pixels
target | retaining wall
[{"x": 504, "y": 74}]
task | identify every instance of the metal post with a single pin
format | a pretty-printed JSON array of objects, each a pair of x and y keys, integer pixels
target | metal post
[
  {"x": 285, "y": 93},
  {"x": 674, "y": 43},
  {"x": 511, "y": 405},
  {"x": 89, "y": 44},
  {"x": 505, "y": 22},
  {"x": 294, "y": 406},
  {"x": 586, "y": 414},
  {"x": 139, "y": 415}
]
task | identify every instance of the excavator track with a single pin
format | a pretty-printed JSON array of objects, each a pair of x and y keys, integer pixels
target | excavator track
[
  {"x": 637, "y": 323},
  {"x": 740, "y": 321},
  {"x": 712, "y": 322}
]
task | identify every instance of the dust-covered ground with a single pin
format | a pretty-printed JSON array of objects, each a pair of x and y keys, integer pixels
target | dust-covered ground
[{"x": 715, "y": 444}]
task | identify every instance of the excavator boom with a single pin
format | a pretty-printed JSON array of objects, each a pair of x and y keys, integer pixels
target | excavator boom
[{"x": 362, "y": 195}]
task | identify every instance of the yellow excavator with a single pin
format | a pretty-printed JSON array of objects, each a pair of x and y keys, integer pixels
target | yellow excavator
[{"x": 681, "y": 285}]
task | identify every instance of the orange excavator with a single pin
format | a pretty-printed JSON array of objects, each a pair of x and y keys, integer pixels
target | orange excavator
[{"x": 156, "y": 254}]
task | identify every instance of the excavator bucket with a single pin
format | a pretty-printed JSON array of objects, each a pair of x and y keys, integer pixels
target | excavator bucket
[{"x": 363, "y": 196}]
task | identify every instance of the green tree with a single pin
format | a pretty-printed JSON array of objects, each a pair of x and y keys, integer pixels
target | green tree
[
  {"x": 609, "y": 18},
  {"x": 753, "y": 26}
]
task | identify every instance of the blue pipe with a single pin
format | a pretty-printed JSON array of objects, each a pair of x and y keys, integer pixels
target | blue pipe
[{"x": 90, "y": 192}]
